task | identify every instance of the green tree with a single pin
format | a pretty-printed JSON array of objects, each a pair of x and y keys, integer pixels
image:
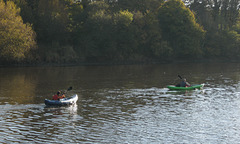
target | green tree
[
  {"x": 222, "y": 14},
  {"x": 16, "y": 38},
  {"x": 124, "y": 34},
  {"x": 226, "y": 45},
  {"x": 236, "y": 27},
  {"x": 179, "y": 27},
  {"x": 54, "y": 27},
  {"x": 103, "y": 34},
  {"x": 92, "y": 36},
  {"x": 203, "y": 14},
  {"x": 150, "y": 43},
  {"x": 139, "y": 5},
  {"x": 53, "y": 21},
  {"x": 218, "y": 17},
  {"x": 28, "y": 10}
]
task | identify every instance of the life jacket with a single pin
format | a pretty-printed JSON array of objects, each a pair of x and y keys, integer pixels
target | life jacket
[{"x": 55, "y": 97}]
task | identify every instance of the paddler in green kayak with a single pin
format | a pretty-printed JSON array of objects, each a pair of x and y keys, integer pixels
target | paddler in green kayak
[{"x": 183, "y": 83}]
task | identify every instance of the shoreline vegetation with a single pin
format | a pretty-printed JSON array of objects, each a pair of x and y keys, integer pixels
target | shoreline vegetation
[
  {"x": 102, "y": 32},
  {"x": 116, "y": 63}
]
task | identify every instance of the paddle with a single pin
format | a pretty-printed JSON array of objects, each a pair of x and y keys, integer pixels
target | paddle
[
  {"x": 178, "y": 85},
  {"x": 64, "y": 92},
  {"x": 70, "y": 88},
  {"x": 186, "y": 82},
  {"x": 179, "y": 76}
]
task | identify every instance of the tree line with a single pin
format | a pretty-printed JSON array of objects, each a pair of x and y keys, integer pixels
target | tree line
[{"x": 68, "y": 31}]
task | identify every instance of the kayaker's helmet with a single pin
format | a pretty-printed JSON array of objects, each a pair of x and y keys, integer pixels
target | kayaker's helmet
[
  {"x": 58, "y": 93},
  {"x": 184, "y": 79}
]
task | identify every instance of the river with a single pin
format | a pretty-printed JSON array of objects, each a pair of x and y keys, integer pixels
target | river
[{"x": 121, "y": 104}]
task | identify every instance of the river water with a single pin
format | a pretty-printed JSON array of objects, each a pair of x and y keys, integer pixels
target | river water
[{"x": 121, "y": 104}]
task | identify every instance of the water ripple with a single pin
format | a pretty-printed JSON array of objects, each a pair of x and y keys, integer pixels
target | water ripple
[{"x": 149, "y": 115}]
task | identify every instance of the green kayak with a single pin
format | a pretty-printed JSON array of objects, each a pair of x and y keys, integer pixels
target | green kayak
[{"x": 173, "y": 87}]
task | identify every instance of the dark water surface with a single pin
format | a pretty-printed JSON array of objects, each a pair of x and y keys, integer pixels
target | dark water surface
[{"x": 121, "y": 104}]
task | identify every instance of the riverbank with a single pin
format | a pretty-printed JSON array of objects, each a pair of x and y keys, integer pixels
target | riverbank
[{"x": 175, "y": 61}]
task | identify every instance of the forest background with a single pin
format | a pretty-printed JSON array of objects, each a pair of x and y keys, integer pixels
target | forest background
[{"x": 118, "y": 31}]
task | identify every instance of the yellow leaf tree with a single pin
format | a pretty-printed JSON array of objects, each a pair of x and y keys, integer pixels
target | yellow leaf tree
[{"x": 16, "y": 38}]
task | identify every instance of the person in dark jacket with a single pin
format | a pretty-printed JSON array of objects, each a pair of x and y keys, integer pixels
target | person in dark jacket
[{"x": 184, "y": 83}]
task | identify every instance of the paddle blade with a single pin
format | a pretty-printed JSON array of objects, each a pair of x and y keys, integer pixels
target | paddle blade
[
  {"x": 70, "y": 88},
  {"x": 179, "y": 76}
]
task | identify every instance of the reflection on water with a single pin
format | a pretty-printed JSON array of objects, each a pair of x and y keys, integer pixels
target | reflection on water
[
  {"x": 18, "y": 87},
  {"x": 121, "y": 104}
]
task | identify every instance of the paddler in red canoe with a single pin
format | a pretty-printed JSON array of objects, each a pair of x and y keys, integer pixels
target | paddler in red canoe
[{"x": 58, "y": 96}]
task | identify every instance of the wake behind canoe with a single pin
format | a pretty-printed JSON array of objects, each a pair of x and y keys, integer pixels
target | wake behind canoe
[{"x": 193, "y": 87}]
